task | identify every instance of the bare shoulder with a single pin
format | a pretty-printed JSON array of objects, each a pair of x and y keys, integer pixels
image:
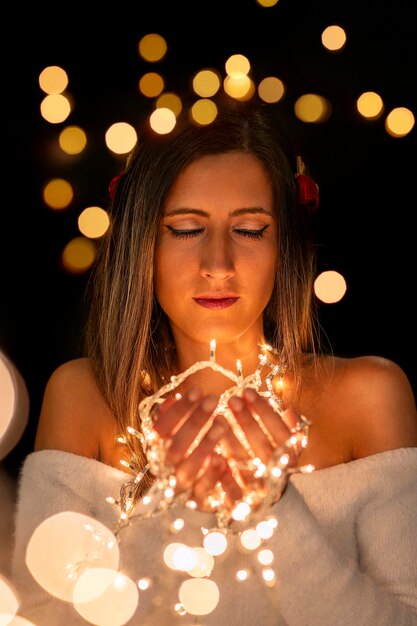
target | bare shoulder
[
  {"x": 73, "y": 412},
  {"x": 368, "y": 403}
]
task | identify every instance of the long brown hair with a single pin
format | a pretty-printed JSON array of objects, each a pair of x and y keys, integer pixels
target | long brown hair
[{"x": 128, "y": 337}]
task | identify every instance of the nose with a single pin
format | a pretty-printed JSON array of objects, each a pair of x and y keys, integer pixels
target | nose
[{"x": 217, "y": 259}]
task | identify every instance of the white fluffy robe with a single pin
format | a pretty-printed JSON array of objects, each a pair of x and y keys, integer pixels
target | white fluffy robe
[{"x": 345, "y": 547}]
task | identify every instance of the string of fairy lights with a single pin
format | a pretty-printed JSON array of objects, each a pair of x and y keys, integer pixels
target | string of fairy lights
[{"x": 250, "y": 519}]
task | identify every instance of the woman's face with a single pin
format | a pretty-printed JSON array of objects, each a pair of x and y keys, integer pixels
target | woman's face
[{"x": 216, "y": 253}]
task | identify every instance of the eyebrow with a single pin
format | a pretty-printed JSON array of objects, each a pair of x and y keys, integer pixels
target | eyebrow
[{"x": 236, "y": 212}]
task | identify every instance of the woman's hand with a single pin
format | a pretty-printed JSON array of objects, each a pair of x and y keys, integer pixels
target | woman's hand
[
  {"x": 197, "y": 467},
  {"x": 193, "y": 457},
  {"x": 264, "y": 429}
]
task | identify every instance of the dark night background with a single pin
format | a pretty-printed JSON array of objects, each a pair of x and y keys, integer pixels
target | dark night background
[{"x": 365, "y": 222}]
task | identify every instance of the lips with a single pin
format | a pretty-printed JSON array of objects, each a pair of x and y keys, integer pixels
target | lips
[{"x": 211, "y": 302}]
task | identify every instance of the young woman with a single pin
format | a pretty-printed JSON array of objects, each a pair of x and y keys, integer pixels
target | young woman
[{"x": 210, "y": 239}]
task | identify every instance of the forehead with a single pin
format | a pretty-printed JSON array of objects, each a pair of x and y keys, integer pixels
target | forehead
[{"x": 234, "y": 177}]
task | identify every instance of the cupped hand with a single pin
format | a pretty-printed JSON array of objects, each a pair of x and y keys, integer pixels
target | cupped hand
[
  {"x": 264, "y": 429},
  {"x": 191, "y": 436}
]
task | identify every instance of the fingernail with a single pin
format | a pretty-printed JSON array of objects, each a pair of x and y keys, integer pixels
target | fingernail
[
  {"x": 236, "y": 403},
  {"x": 209, "y": 403},
  {"x": 250, "y": 394}
]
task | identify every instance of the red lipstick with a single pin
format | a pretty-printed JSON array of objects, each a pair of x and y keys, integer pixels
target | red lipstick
[{"x": 216, "y": 300}]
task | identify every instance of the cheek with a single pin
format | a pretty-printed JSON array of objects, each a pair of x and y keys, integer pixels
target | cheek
[{"x": 169, "y": 273}]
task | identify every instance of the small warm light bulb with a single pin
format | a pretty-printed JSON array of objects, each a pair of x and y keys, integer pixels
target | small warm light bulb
[
  {"x": 264, "y": 530},
  {"x": 144, "y": 584},
  {"x": 265, "y": 557},
  {"x": 307, "y": 468},
  {"x": 241, "y": 511},
  {"x": 215, "y": 543},
  {"x": 250, "y": 539},
  {"x": 212, "y": 349},
  {"x": 178, "y": 524},
  {"x": 239, "y": 370},
  {"x": 242, "y": 574},
  {"x": 268, "y": 575},
  {"x": 272, "y": 521}
]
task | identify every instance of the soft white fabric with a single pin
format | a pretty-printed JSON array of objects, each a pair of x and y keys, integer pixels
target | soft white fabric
[{"x": 345, "y": 547}]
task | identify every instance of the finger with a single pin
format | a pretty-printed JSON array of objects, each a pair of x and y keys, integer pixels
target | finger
[
  {"x": 257, "y": 439},
  {"x": 232, "y": 489},
  {"x": 279, "y": 431},
  {"x": 232, "y": 447},
  {"x": 192, "y": 467},
  {"x": 190, "y": 429},
  {"x": 217, "y": 471},
  {"x": 174, "y": 413}
]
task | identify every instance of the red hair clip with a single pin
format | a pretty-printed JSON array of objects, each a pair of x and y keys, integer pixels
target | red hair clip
[
  {"x": 308, "y": 191},
  {"x": 113, "y": 183}
]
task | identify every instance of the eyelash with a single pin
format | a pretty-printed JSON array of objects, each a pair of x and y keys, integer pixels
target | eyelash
[{"x": 186, "y": 234}]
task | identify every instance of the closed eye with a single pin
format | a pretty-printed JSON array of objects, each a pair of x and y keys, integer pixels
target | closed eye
[
  {"x": 243, "y": 232},
  {"x": 184, "y": 234},
  {"x": 253, "y": 234}
]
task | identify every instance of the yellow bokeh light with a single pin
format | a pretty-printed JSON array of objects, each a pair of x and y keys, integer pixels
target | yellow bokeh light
[
  {"x": 204, "y": 564},
  {"x": 237, "y": 65},
  {"x": 93, "y": 222},
  {"x": 9, "y": 602},
  {"x": 53, "y": 79},
  {"x": 330, "y": 286},
  {"x": 240, "y": 88},
  {"x": 58, "y": 194},
  {"x": 14, "y": 412},
  {"x": 333, "y": 38},
  {"x": 184, "y": 558},
  {"x": 267, "y": 3},
  {"x": 199, "y": 596},
  {"x": 268, "y": 575},
  {"x": 264, "y": 530},
  {"x": 399, "y": 122},
  {"x": 206, "y": 83},
  {"x": 168, "y": 555},
  {"x": 370, "y": 105},
  {"x": 215, "y": 542},
  {"x": 152, "y": 47},
  {"x": 151, "y": 84},
  {"x": 250, "y": 539},
  {"x": 169, "y": 100},
  {"x": 105, "y": 596},
  {"x": 72, "y": 140},
  {"x": 203, "y": 111},
  {"x": 271, "y": 89},
  {"x": 312, "y": 108},
  {"x": 121, "y": 138},
  {"x": 242, "y": 574},
  {"x": 51, "y": 559},
  {"x": 162, "y": 121},
  {"x": 55, "y": 108},
  {"x": 265, "y": 556},
  {"x": 78, "y": 255}
]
